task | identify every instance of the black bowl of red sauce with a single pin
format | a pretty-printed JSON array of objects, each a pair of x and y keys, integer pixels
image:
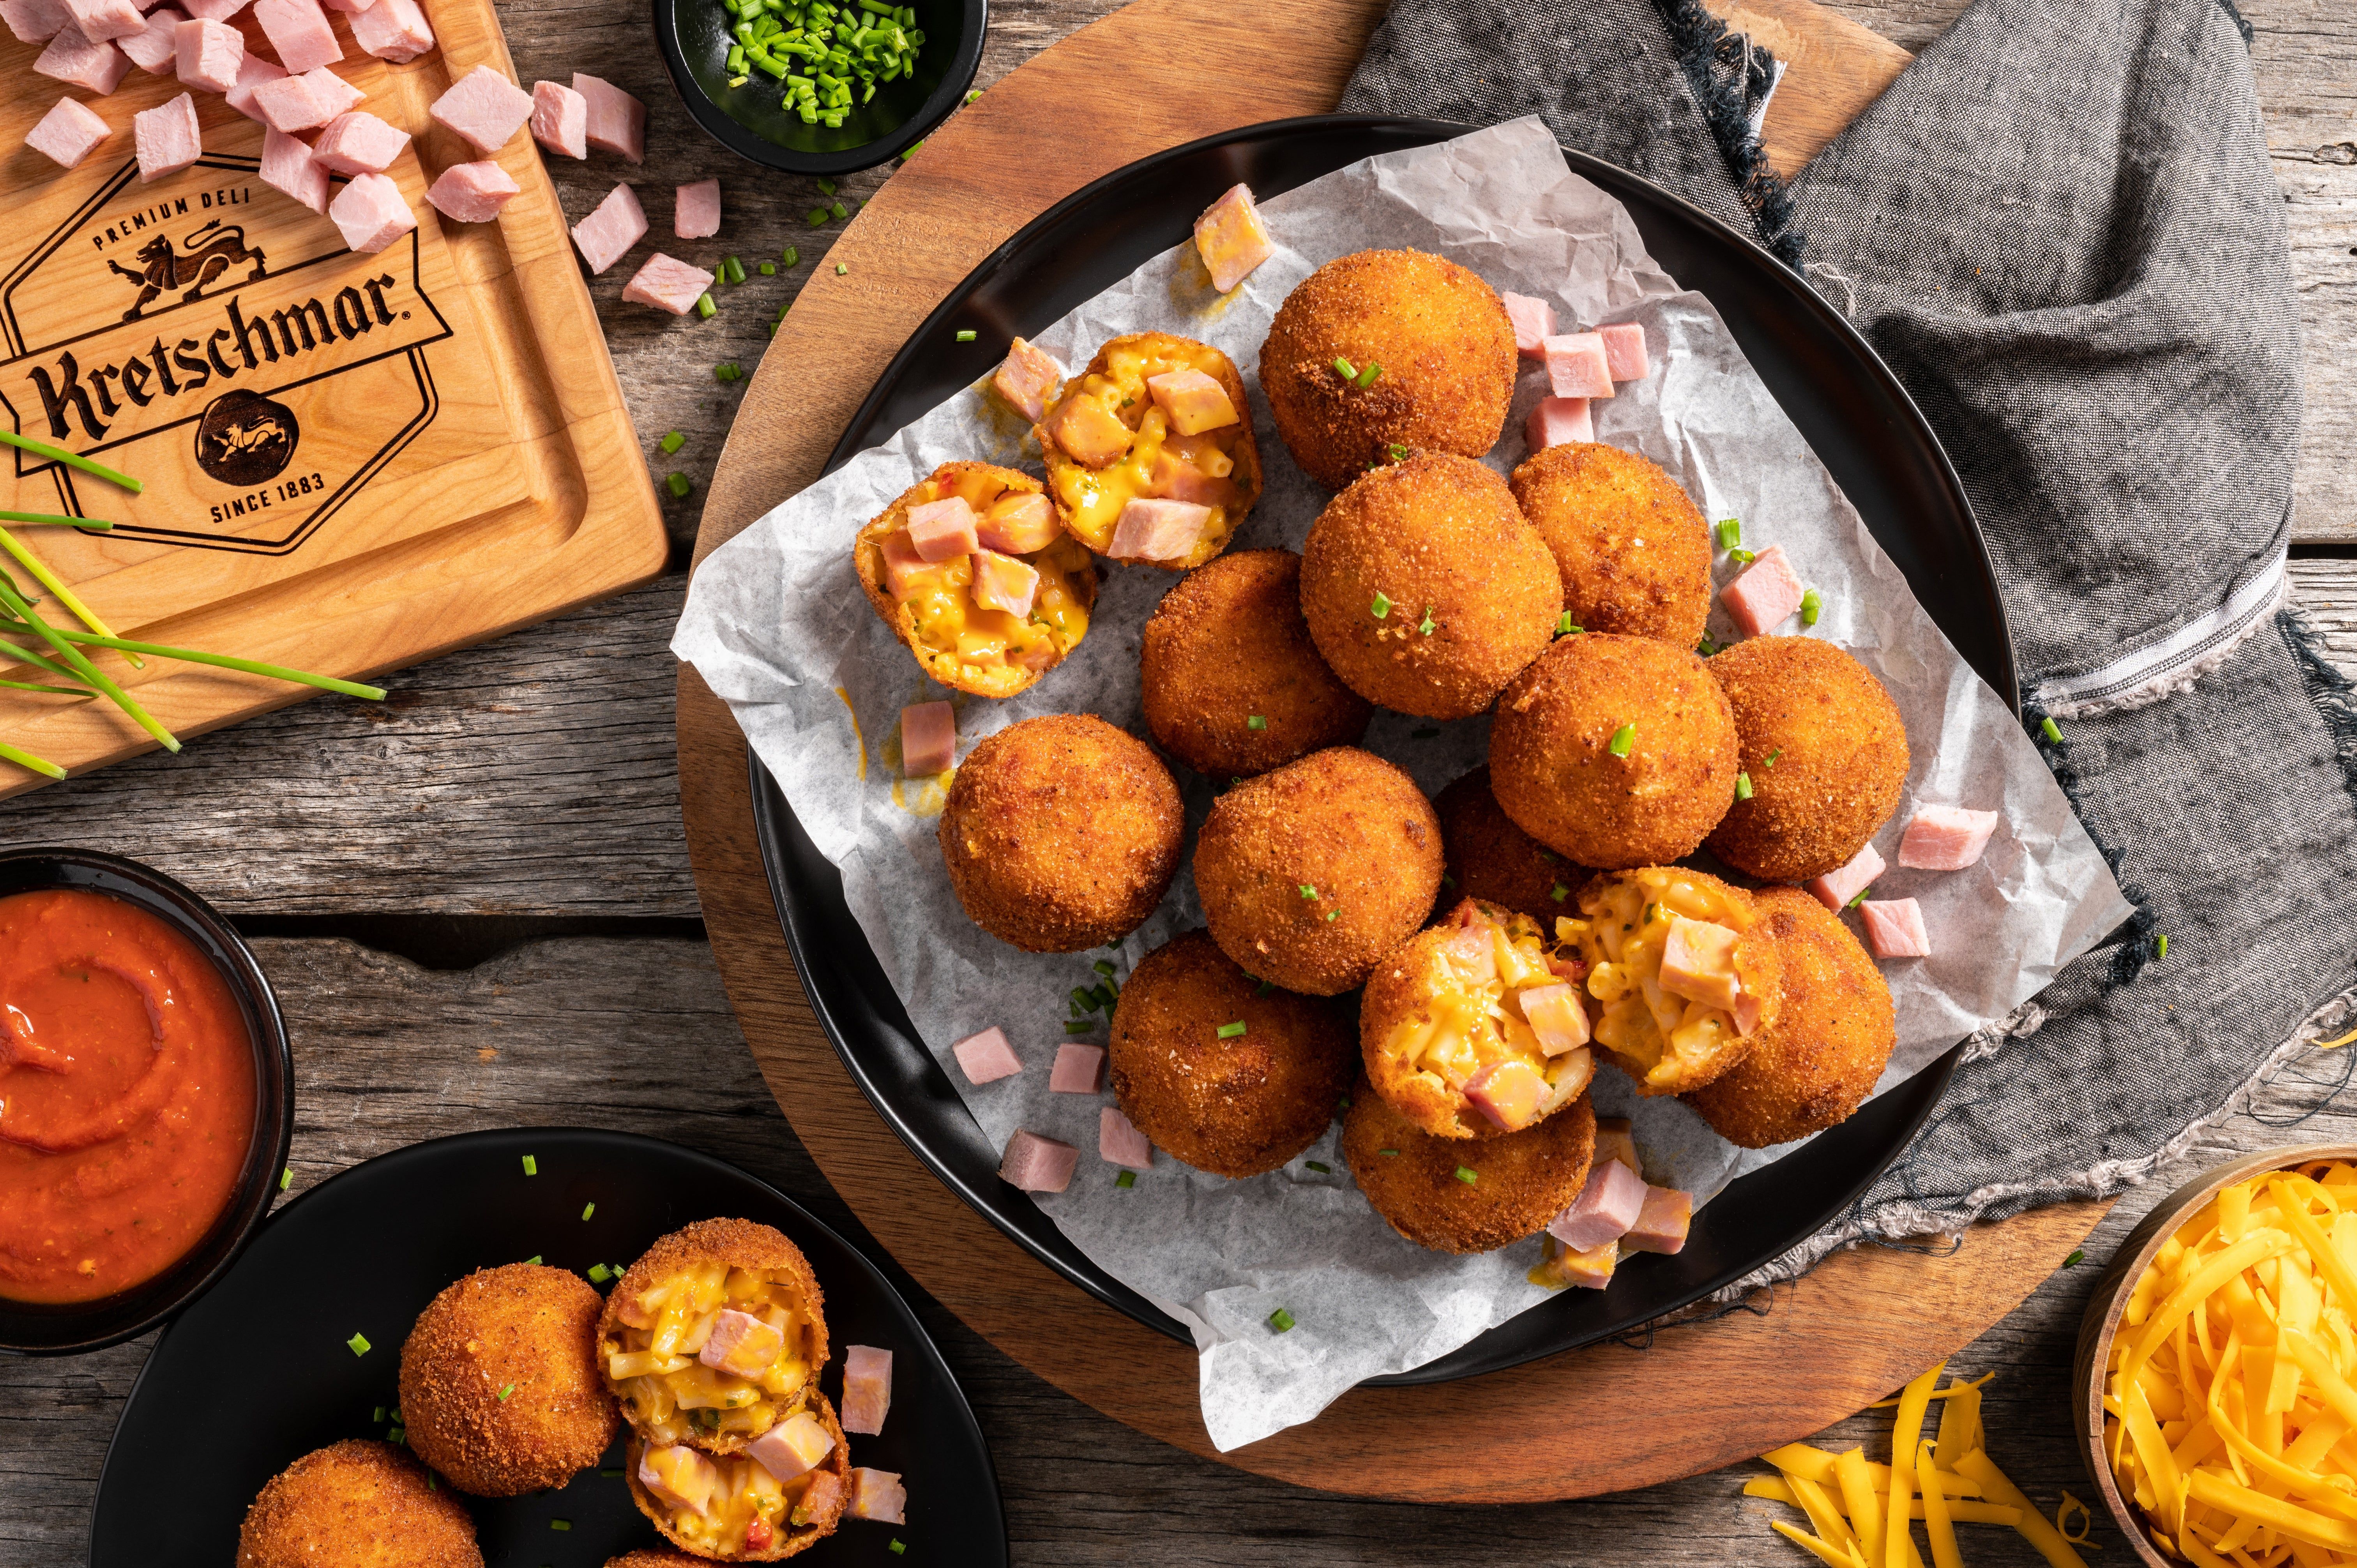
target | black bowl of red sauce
[{"x": 147, "y": 1099}]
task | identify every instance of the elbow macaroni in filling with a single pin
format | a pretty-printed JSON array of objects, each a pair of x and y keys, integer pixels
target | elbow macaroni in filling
[
  {"x": 657, "y": 1365},
  {"x": 1217, "y": 467},
  {"x": 1679, "y": 1028}
]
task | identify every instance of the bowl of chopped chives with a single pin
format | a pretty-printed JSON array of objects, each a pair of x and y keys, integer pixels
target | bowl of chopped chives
[{"x": 820, "y": 87}]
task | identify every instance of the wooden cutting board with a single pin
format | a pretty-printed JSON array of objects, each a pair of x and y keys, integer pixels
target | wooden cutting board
[
  {"x": 352, "y": 462},
  {"x": 1605, "y": 1419}
]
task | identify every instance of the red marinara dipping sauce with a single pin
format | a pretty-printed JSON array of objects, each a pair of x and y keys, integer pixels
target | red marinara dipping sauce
[{"x": 127, "y": 1095}]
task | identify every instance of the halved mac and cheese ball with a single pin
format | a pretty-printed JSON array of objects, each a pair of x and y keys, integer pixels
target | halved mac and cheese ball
[
  {"x": 1683, "y": 974},
  {"x": 715, "y": 1337},
  {"x": 1150, "y": 451},
  {"x": 1456, "y": 1196},
  {"x": 783, "y": 1493},
  {"x": 1471, "y": 1031},
  {"x": 974, "y": 573}
]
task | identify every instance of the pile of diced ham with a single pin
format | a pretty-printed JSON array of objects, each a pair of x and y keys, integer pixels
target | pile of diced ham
[
  {"x": 1615, "y": 1213},
  {"x": 1940, "y": 838},
  {"x": 1034, "y": 1163},
  {"x": 1580, "y": 365}
]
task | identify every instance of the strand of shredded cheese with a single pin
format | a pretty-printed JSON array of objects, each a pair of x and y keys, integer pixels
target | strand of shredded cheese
[{"x": 1905, "y": 1433}]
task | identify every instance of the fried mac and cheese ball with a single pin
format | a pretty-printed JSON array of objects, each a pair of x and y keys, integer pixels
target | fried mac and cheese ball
[
  {"x": 782, "y": 1495},
  {"x": 1825, "y": 752},
  {"x": 1488, "y": 858},
  {"x": 1615, "y": 751},
  {"x": 1683, "y": 975},
  {"x": 1425, "y": 589},
  {"x": 1468, "y": 1029},
  {"x": 1150, "y": 451},
  {"x": 356, "y": 1504},
  {"x": 1832, "y": 1037},
  {"x": 1430, "y": 350},
  {"x": 1062, "y": 834},
  {"x": 973, "y": 571},
  {"x": 1234, "y": 1106},
  {"x": 500, "y": 1388},
  {"x": 714, "y": 1336},
  {"x": 1418, "y": 1183},
  {"x": 1310, "y": 875},
  {"x": 1634, "y": 552},
  {"x": 1231, "y": 682}
]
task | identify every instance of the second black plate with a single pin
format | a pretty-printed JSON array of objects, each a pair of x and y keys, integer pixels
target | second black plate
[{"x": 1852, "y": 409}]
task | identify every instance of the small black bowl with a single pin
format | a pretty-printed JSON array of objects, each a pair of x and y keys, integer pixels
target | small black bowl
[
  {"x": 751, "y": 120},
  {"x": 34, "y": 1330}
]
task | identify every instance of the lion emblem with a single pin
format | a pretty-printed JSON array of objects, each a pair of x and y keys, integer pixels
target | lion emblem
[{"x": 198, "y": 260}]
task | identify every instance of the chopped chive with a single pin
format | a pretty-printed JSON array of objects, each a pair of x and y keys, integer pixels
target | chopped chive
[
  {"x": 505, "y": 1393},
  {"x": 1467, "y": 1175},
  {"x": 1320, "y": 1166},
  {"x": 531, "y": 1166},
  {"x": 826, "y": 187},
  {"x": 1344, "y": 368},
  {"x": 560, "y": 1524},
  {"x": 1380, "y": 607},
  {"x": 1423, "y": 732},
  {"x": 1565, "y": 625},
  {"x": 1559, "y": 893},
  {"x": 2078, "y": 1255},
  {"x": 2160, "y": 944},
  {"x": 1083, "y": 999},
  {"x": 1813, "y": 604},
  {"x": 358, "y": 1343},
  {"x": 1742, "y": 557},
  {"x": 838, "y": 210},
  {"x": 1769, "y": 760},
  {"x": 792, "y": 255},
  {"x": 1281, "y": 1320},
  {"x": 1103, "y": 968},
  {"x": 376, "y": 1415},
  {"x": 1706, "y": 647},
  {"x": 966, "y": 336},
  {"x": 815, "y": 217},
  {"x": 731, "y": 270},
  {"x": 54, "y": 520},
  {"x": 1256, "y": 721},
  {"x": 1395, "y": 452},
  {"x": 2050, "y": 730},
  {"x": 397, "y": 1434},
  {"x": 1859, "y": 899},
  {"x": 587, "y": 1210},
  {"x": 895, "y": 1548},
  {"x": 599, "y": 1273},
  {"x": 1622, "y": 739},
  {"x": 704, "y": 308},
  {"x": 71, "y": 460},
  {"x": 1367, "y": 376},
  {"x": 611, "y": 1472},
  {"x": 1743, "y": 786},
  {"x": 1446, "y": 880},
  {"x": 1307, "y": 891},
  {"x": 1425, "y": 626},
  {"x": 768, "y": 269},
  {"x": 1230, "y": 1031},
  {"x": 1078, "y": 1026},
  {"x": 677, "y": 484},
  {"x": 974, "y": 94},
  {"x": 1127, "y": 1178},
  {"x": 1388, "y": 1153},
  {"x": 910, "y": 153},
  {"x": 1104, "y": 996},
  {"x": 1730, "y": 532},
  {"x": 533, "y": 1262},
  {"x": 285, "y": 1178},
  {"x": 840, "y": 269},
  {"x": 672, "y": 442}
]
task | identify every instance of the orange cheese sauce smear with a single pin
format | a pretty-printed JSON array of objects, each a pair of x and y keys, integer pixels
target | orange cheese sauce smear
[{"x": 127, "y": 1095}]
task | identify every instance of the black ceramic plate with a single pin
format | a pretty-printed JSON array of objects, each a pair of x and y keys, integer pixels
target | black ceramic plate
[
  {"x": 1845, "y": 400},
  {"x": 258, "y": 1373}
]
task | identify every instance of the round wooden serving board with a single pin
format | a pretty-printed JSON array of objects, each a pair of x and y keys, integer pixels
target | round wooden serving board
[{"x": 1701, "y": 1396}]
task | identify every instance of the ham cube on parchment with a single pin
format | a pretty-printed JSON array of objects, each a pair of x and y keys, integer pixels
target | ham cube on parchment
[
  {"x": 928, "y": 739},
  {"x": 1034, "y": 1164},
  {"x": 614, "y": 226},
  {"x": 286, "y": 167},
  {"x": 1026, "y": 378},
  {"x": 67, "y": 132},
  {"x": 1231, "y": 239},
  {"x": 472, "y": 193},
  {"x": 1894, "y": 928},
  {"x": 1604, "y": 1210},
  {"x": 560, "y": 119},
  {"x": 1079, "y": 1070},
  {"x": 1836, "y": 889},
  {"x": 1577, "y": 366},
  {"x": 1533, "y": 322},
  {"x": 1119, "y": 1143},
  {"x": 1558, "y": 420},
  {"x": 166, "y": 137},
  {"x": 866, "y": 1388},
  {"x": 667, "y": 284},
  {"x": 1624, "y": 351},
  {"x": 372, "y": 213},
  {"x": 986, "y": 1058},
  {"x": 1946, "y": 838},
  {"x": 1662, "y": 1221},
  {"x": 1764, "y": 594}
]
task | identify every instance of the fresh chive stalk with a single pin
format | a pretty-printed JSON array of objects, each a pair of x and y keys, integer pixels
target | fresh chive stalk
[{"x": 71, "y": 460}]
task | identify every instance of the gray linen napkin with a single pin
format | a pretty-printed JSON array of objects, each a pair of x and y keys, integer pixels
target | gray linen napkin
[{"x": 2060, "y": 228}]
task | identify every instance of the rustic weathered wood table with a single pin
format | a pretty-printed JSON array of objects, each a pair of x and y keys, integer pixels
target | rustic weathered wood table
[{"x": 475, "y": 902}]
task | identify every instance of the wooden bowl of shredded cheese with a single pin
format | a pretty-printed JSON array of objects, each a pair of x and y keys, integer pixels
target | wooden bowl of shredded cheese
[{"x": 2217, "y": 1368}]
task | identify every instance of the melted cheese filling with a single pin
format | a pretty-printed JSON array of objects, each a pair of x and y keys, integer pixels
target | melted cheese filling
[
  {"x": 949, "y": 622},
  {"x": 1093, "y": 499},
  {"x": 746, "y": 1492},
  {"x": 1626, "y": 924},
  {"x": 672, "y": 1395},
  {"x": 1472, "y": 1018}
]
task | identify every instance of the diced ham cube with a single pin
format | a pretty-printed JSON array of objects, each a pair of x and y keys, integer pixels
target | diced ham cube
[
  {"x": 474, "y": 193},
  {"x": 95, "y": 65},
  {"x": 348, "y": 8},
  {"x": 676, "y": 1475},
  {"x": 741, "y": 1344},
  {"x": 251, "y": 72},
  {"x": 1004, "y": 582},
  {"x": 1556, "y": 1016},
  {"x": 1158, "y": 530},
  {"x": 1088, "y": 431},
  {"x": 793, "y": 1448},
  {"x": 986, "y": 1058},
  {"x": 1836, "y": 889},
  {"x": 1533, "y": 322},
  {"x": 696, "y": 210},
  {"x": 483, "y": 107},
  {"x": 867, "y": 1390},
  {"x": 298, "y": 34},
  {"x": 943, "y": 529},
  {"x": 618, "y": 121},
  {"x": 1590, "y": 1269},
  {"x": 1175, "y": 479},
  {"x": 1698, "y": 963},
  {"x": 105, "y": 19},
  {"x": 904, "y": 570},
  {"x": 667, "y": 284},
  {"x": 1894, "y": 928},
  {"x": 157, "y": 50},
  {"x": 1558, "y": 420},
  {"x": 1026, "y": 378},
  {"x": 393, "y": 30},
  {"x": 1662, "y": 1222},
  {"x": 877, "y": 1495},
  {"x": 1577, "y": 366},
  {"x": 290, "y": 103},
  {"x": 1034, "y": 1164},
  {"x": 1604, "y": 1210},
  {"x": 1119, "y": 1143},
  {"x": 1624, "y": 351},
  {"x": 34, "y": 21},
  {"x": 372, "y": 213},
  {"x": 67, "y": 133},
  {"x": 286, "y": 167},
  {"x": 1616, "y": 1141},
  {"x": 1508, "y": 1092},
  {"x": 560, "y": 119},
  {"x": 359, "y": 143},
  {"x": 208, "y": 54},
  {"x": 331, "y": 92},
  {"x": 166, "y": 137},
  {"x": 608, "y": 233},
  {"x": 1946, "y": 838},
  {"x": 1193, "y": 400},
  {"x": 214, "y": 10},
  {"x": 1231, "y": 239},
  {"x": 1764, "y": 594},
  {"x": 929, "y": 746},
  {"x": 1019, "y": 523},
  {"x": 1079, "y": 1070}
]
